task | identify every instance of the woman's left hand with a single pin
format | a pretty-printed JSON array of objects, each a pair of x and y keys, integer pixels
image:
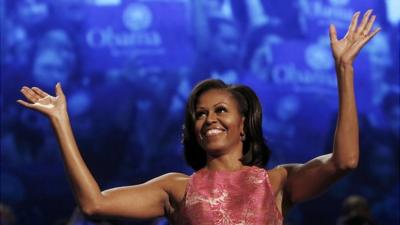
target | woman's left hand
[{"x": 346, "y": 49}]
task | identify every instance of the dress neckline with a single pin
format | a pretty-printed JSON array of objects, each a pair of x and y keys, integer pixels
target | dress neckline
[{"x": 244, "y": 168}]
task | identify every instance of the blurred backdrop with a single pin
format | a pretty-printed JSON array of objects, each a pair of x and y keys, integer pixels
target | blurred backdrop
[{"x": 127, "y": 67}]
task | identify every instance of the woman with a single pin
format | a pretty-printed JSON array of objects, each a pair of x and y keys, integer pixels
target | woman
[{"x": 223, "y": 143}]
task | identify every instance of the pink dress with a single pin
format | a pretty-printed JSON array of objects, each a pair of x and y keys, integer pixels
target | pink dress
[{"x": 242, "y": 197}]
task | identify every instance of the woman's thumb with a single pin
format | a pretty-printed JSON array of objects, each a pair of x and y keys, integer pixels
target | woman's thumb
[{"x": 59, "y": 91}]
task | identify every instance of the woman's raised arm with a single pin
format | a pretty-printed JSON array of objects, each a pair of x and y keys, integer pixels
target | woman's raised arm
[
  {"x": 304, "y": 181},
  {"x": 148, "y": 200}
]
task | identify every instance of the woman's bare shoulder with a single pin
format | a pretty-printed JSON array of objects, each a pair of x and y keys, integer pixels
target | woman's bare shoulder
[
  {"x": 173, "y": 177},
  {"x": 276, "y": 172},
  {"x": 282, "y": 171},
  {"x": 170, "y": 177},
  {"x": 174, "y": 183},
  {"x": 277, "y": 177}
]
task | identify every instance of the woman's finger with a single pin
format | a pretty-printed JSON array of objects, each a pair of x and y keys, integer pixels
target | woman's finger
[
  {"x": 26, "y": 104},
  {"x": 369, "y": 25},
  {"x": 360, "y": 44},
  {"x": 29, "y": 94},
  {"x": 40, "y": 92},
  {"x": 371, "y": 35},
  {"x": 364, "y": 21},
  {"x": 332, "y": 33},
  {"x": 353, "y": 24}
]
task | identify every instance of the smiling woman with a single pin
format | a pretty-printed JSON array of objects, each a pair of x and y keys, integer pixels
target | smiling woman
[
  {"x": 224, "y": 144},
  {"x": 236, "y": 111}
]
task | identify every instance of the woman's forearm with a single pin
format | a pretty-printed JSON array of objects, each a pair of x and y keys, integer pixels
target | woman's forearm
[
  {"x": 147, "y": 200},
  {"x": 85, "y": 188},
  {"x": 346, "y": 140}
]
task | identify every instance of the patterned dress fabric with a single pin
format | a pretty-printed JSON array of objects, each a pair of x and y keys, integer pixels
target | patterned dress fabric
[{"x": 242, "y": 197}]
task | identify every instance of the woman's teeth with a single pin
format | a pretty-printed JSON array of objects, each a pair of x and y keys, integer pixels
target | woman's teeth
[{"x": 213, "y": 132}]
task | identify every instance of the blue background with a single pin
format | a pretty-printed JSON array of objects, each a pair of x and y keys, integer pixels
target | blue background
[{"x": 127, "y": 68}]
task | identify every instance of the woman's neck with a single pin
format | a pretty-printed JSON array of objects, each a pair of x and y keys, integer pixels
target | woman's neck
[{"x": 229, "y": 162}]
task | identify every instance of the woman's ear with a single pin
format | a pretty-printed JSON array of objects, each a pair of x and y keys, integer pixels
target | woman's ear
[{"x": 242, "y": 132}]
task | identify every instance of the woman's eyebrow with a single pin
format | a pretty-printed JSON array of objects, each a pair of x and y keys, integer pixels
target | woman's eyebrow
[
  {"x": 216, "y": 104},
  {"x": 220, "y": 103}
]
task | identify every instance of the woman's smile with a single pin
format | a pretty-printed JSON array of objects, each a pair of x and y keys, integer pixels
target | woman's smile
[{"x": 213, "y": 131}]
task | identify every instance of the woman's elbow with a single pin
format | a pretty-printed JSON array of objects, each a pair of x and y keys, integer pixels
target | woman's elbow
[
  {"x": 347, "y": 165},
  {"x": 92, "y": 209},
  {"x": 88, "y": 211}
]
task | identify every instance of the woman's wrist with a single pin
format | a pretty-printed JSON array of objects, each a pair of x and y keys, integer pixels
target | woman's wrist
[
  {"x": 344, "y": 68},
  {"x": 343, "y": 64},
  {"x": 59, "y": 117}
]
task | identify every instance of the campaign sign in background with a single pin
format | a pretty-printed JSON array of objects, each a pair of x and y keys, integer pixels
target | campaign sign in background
[{"x": 127, "y": 68}]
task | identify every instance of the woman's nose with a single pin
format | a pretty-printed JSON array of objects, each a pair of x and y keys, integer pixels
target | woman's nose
[{"x": 211, "y": 118}]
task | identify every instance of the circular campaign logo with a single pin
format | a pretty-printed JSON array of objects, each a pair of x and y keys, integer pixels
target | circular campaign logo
[
  {"x": 318, "y": 56},
  {"x": 137, "y": 17}
]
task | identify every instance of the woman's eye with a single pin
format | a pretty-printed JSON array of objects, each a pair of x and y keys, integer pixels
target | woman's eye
[
  {"x": 220, "y": 110},
  {"x": 200, "y": 114}
]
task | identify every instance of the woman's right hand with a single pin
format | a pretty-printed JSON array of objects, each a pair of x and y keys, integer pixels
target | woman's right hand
[{"x": 50, "y": 106}]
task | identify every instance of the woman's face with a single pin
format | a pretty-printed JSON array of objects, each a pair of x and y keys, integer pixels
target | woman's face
[{"x": 218, "y": 123}]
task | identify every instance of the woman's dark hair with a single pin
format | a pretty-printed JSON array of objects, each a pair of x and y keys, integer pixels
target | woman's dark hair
[{"x": 255, "y": 150}]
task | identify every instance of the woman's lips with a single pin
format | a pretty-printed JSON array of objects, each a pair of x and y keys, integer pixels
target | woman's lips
[{"x": 213, "y": 132}]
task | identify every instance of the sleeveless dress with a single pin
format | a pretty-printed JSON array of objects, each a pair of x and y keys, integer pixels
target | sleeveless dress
[{"x": 242, "y": 197}]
